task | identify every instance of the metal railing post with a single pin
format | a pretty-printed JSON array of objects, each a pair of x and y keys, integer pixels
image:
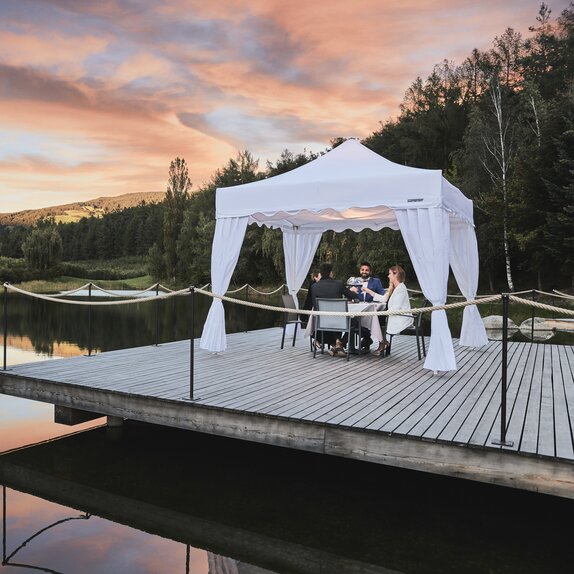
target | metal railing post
[
  {"x": 5, "y": 325},
  {"x": 89, "y": 320},
  {"x": 157, "y": 315},
  {"x": 191, "y": 346},
  {"x": 532, "y": 324},
  {"x": 245, "y": 308},
  {"x": 4, "y": 551},
  {"x": 504, "y": 377}
]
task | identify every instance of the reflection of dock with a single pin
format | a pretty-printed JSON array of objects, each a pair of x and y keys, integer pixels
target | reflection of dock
[
  {"x": 389, "y": 411},
  {"x": 289, "y": 511},
  {"x": 164, "y": 501}
]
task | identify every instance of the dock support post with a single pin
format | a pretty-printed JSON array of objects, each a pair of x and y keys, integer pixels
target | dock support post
[
  {"x": 114, "y": 428},
  {"x": 5, "y": 324},
  {"x": 192, "y": 343},
  {"x": 90, "y": 321},
  {"x": 504, "y": 377}
]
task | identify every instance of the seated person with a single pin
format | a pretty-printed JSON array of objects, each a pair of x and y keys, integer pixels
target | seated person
[
  {"x": 329, "y": 288},
  {"x": 308, "y": 305},
  {"x": 396, "y": 297},
  {"x": 370, "y": 286}
]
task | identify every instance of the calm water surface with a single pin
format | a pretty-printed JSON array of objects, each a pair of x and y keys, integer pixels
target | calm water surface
[{"x": 153, "y": 500}]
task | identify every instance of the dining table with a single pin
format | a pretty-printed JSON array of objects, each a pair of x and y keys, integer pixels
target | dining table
[{"x": 370, "y": 322}]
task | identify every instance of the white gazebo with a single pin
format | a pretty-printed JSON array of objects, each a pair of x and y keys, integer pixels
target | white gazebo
[{"x": 352, "y": 187}]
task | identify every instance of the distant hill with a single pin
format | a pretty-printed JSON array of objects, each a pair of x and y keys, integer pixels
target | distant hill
[{"x": 75, "y": 211}]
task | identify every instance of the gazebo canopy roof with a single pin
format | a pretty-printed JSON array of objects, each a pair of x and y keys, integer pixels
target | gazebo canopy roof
[{"x": 350, "y": 187}]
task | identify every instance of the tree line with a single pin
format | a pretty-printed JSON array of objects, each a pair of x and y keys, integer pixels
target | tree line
[{"x": 500, "y": 126}]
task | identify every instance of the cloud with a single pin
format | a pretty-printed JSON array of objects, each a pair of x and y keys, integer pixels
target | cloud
[{"x": 108, "y": 92}]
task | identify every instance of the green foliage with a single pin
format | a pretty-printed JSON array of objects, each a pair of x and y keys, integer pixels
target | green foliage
[
  {"x": 110, "y": 269},
  {"x": 175, "y": 203},
  {"x": 128, "y": 232},
  {"x": 14, "y": 270},
  {"x": 43, "y": 248},
  {"x": 11, "y": 239}
]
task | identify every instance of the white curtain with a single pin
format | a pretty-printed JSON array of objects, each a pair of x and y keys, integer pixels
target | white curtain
[
  {"x": 299, "y": 249},
  {"x": 464, "y": 263},
  {"x": 427, "y": 238},
  {"x": 229, "y": 234}
]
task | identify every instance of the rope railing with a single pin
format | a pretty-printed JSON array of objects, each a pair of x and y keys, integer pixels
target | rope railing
[
  {"x": 351, "y": 313},
  {"x": 280, "y": 288},
  {"x": 57, "y": 299},
  {"x": 72, "y": 291},
  {"x": 414, "y": 311},
  {"x": 557, "y": 293},
  {"x": 538, "y": 305}
]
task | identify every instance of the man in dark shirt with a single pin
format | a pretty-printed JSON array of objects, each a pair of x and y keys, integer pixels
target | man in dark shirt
[{"x": 329, "y": 288}]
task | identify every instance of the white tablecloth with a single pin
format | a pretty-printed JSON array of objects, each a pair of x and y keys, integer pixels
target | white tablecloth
[{"x": 371, "y": 323}]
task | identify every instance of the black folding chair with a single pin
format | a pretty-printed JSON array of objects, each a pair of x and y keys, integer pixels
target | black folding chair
[
  {"x": 290, "y": 318},
  {"x": 415, "y": 329}
]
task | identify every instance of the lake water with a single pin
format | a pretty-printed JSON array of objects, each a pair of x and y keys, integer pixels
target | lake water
[{"x": 87, "y": 499}]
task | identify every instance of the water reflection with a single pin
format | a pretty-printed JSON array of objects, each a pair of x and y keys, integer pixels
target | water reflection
[
  {"x": 51, "y": 328},
  {"x": 49, "y": 537},
  {"x": 24, "y": 422},
  {"x": 259, "y": 509}
]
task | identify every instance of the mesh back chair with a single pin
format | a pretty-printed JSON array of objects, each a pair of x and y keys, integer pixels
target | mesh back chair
[
  {"x": 334, "y": 324},
  {"x": 415, "y": 329},
  {"x": 290, "y": 318}
]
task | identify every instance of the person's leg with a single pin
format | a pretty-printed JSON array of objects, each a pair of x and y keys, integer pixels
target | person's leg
[{"x": 366, "y": 340}]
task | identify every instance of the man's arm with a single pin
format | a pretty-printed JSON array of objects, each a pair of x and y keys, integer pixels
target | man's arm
[{"x": 378, "y": 286}]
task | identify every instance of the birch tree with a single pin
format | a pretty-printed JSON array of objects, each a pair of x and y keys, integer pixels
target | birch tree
[{"x": 497, "y": 160}]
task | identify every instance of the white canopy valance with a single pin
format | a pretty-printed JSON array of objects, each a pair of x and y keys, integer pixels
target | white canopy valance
[{"x": 352, "y": 187}]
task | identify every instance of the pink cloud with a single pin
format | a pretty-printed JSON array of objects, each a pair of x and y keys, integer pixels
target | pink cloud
[{"x": 135, "y": 88}]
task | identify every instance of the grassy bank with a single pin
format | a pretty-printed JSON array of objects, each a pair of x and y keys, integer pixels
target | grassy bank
[{"x": 66, "y": 283}]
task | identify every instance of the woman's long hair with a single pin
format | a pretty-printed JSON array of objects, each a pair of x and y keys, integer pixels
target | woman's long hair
[{"x": 400, "y": 274}]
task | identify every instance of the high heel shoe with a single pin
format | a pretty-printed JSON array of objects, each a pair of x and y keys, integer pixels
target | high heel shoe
[{"x": 381, "y": 348}]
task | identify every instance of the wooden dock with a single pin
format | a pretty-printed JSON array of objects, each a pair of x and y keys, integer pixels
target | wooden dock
[{"x": 384, "y": 410}]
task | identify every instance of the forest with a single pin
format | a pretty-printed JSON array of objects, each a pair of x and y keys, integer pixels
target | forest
[{"x": 500, "y": 125}]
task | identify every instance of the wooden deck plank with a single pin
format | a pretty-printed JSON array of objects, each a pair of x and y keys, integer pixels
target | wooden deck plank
[
  {"x": 563, "y": 423},
  {"x": 430, "y": 403},
  {"x": 364, "y": 392},
  {"x": 433, "y": 423},
  {"x": 547, "y": 424},
  {"x": 354, "y": 381},
  {"x": 394, "y": 418},
  {"x": 489, "y": 394},
  {"x": 488, "y": 429},
  {"x": 529, "y": 442},
  {"x": 465, "y": 420},
  {"x": 518, "y": 398}
]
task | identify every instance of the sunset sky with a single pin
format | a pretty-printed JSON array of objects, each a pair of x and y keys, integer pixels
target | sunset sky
[{"x": 98, "y": 96}]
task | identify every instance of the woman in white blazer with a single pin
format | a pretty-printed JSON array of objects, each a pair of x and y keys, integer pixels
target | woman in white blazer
[{"x": 396, "y": 297}]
